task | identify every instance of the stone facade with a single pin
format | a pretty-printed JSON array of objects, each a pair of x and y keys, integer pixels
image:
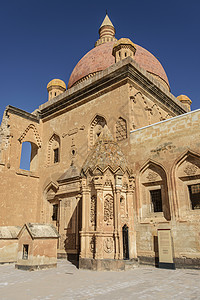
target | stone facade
[{"x": 113, "y": 158}]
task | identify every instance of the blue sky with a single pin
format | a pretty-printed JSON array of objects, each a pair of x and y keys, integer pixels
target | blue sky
[{"x": 42, "y": 40}]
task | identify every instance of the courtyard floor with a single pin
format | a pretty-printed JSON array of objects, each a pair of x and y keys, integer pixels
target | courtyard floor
[{"x": 67, "y": 282}]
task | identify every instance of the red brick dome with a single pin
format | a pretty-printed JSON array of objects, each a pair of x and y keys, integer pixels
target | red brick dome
[{"x": 100, "y": 58}]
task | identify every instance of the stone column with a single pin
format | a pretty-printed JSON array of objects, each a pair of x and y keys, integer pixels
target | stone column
[
  {"x": 85, "y": 219},
  {"x": 78, "y": 198},
  {"x": 132, "y": 233},
  {"x": 61, "y": 225},
  {"x": 99, "y": 218},
  {"x": 117, "y": 229}
]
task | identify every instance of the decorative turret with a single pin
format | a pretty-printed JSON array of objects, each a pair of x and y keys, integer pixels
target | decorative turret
[
  {"x": 55, "y": 87},
  {"x": 106, "y": 32},
  {"x": 123, "y": 48},
  {"x": 185, "y": 101}
]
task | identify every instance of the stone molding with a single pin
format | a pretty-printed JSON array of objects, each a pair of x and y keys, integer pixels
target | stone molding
[{"x": 22, "y": 113}]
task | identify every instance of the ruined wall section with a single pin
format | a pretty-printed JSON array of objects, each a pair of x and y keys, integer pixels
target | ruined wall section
[
  {"x": 19, "y": 199},
  {"x": 4, "y": 136}
]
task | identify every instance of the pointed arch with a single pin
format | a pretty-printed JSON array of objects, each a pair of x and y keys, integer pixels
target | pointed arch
[
  {"x": 133, "y": 98},
  {"x": 36, "y": 135},
  {"x": 185, "y": 155},
  {"x": 154, "y": 190},
  {"x": 53, "y": 151},
  {"x": 152, "y": 162},
  {"x": 186, "y": 174},
  {"x": 96, "y": 126}
]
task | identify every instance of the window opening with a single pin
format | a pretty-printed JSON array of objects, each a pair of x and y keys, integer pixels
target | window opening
[
  {"x": 56, "y": 155},
  {"x": 156, "y": 200},
  {"x": 25, "y": 156},
  {"x": 25, "y": 251},
  {"x": 125, "y": 54},
  {"x": 55, "y": 93},
  {"x": 55, "y": 212},
  {"x": 194, "y": 191}
]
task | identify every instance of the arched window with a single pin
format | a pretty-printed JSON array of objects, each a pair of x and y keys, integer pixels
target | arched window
[
  {"x": 188, "y": 183},
  {"x": 96, "y": 128},
  {"x": 154, "y": 192},
  {"x": 29, "y": 156},
  {"x": 121, "y": 129},
  {"x": 53, "y": 150}
]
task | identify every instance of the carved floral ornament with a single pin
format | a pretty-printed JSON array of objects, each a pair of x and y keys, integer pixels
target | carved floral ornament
[
  {"x": 190, "y": 169},
  {"x": 152, "y": 176},
  {"x": 108, "y": 245}
]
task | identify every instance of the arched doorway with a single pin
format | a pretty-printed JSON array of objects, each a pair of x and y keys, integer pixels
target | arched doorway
[{"x": 125, "y": 242}]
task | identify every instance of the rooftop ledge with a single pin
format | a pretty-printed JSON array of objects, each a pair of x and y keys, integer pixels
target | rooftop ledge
[{"x": 127, "y": 68}]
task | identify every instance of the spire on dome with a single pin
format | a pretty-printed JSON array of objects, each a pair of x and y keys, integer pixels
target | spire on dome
[
  {"x": 106, "y": 32},
  {"x": 106, "y": 21}
]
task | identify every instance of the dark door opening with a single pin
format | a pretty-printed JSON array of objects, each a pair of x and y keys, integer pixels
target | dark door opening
[{"x": 125, "y": 242}]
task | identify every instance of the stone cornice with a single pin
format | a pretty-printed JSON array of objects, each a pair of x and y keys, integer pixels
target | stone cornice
[
  {"x": 22, "y": 113},
  {"x": 126, "y": 69}
]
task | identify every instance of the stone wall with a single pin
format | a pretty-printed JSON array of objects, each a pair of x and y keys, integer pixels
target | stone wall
[{"x": 168, "y": 149}]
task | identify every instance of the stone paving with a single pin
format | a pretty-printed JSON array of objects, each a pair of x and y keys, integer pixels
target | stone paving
[{"x": 67, "y": 282}]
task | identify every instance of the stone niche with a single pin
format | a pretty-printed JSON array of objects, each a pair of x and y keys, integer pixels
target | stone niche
[
  {"x": 8, "y": 243},
  {"x": 37, "y": 247}
]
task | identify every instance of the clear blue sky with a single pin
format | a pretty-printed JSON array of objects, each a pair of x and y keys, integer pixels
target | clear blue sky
[{"x": 42, "y": 40}]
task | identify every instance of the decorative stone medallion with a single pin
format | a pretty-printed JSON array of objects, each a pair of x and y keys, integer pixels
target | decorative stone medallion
[{"x": 190, "y": 169}]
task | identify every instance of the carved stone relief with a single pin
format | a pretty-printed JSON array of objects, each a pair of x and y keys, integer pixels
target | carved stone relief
[
  {"x": 164, "y": 148},
  {"x": 108, "y": 245},
  {"x": 122, "y": 207},
  {"x": 73, "y": 131},
  {"x": 93, "y": 211},
  {"x": 92, "y": 244},
  {"x": 96, "y": 128},
  {"x": 190, "y": 169},
  {"x": 121, "y": 129},
  {"x": 152, "y": 176},
  {"x": 108, "y": 209}
]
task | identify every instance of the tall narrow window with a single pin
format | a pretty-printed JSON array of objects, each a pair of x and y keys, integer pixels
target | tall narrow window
[
  {"x": 53, "y": 154},
  {"x": 25, "y": 251},
  {"x": 56, "y": 155},
  {"x": 156, "y": 200},
  {"x": 194, "y": 191},
  {"x": 55, "y": 212}
]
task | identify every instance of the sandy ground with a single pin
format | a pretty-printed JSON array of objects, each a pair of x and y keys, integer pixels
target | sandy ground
[{"x": 67, "y": 282}]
